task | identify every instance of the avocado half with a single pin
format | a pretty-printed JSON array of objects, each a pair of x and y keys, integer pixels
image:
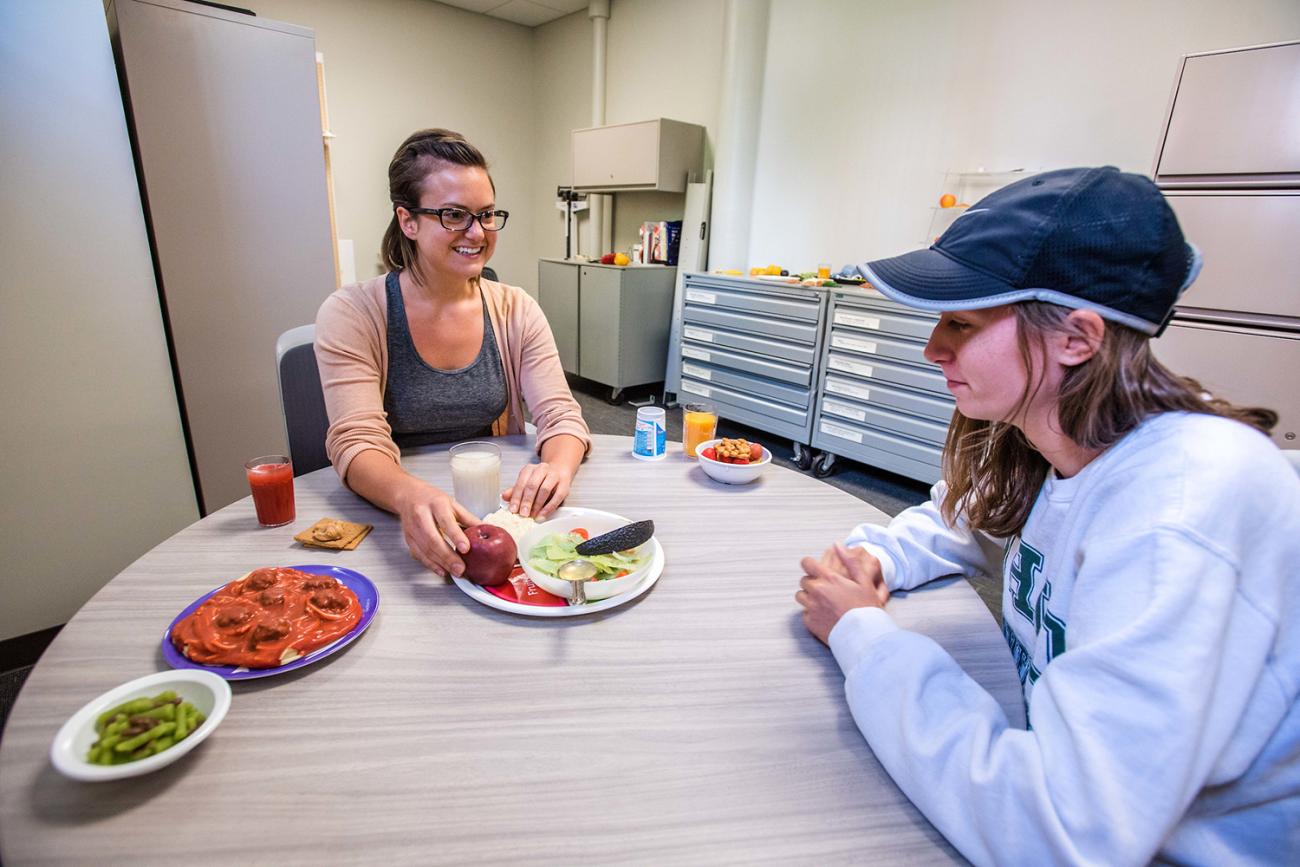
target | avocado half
[{"x": 623, "y": 538}]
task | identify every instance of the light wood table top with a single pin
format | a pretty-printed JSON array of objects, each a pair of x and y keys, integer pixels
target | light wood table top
[{"x": 698, "y": 723}]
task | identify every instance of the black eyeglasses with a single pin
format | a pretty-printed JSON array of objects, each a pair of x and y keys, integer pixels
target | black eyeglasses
[{"x": 459, "y": 219}]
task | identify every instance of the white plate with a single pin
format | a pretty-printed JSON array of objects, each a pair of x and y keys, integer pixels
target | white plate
[
  {"x": 203, "y": 689},
  {"x": 655, "y": 569}
]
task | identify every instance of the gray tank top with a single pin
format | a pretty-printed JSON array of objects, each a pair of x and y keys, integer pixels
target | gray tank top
[{"x": 426, "y": 405}]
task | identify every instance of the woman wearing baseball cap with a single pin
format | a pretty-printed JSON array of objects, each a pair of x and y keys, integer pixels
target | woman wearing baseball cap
[{"x": 1150, "y": 539}]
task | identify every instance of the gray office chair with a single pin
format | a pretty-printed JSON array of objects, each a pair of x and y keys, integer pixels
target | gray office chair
[
  {"x": 305, "y": 419},
  {"x": 303, "y": 404}
]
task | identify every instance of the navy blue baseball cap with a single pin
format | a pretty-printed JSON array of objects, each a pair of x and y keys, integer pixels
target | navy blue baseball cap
[{"x": 1092, "y": 238}]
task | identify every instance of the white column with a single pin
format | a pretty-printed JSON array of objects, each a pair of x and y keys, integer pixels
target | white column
[
  {"x": 744, "y": 56},
  {"x": 598, "y": 238}
]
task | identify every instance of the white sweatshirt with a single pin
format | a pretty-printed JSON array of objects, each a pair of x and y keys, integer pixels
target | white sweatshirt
[{"x": 1152, "y": 605}]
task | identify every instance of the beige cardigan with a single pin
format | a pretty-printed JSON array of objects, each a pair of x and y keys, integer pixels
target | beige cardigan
[{"x": 352, "y": 353}]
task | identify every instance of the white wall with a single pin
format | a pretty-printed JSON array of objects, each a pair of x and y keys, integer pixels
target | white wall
[
  {"x": 94, "y": 464},
  {"x": 395, "y": 66},
  {"x": 866, "y": 105}
]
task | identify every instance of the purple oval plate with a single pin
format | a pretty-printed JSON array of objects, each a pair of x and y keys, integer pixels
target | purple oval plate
[{"x": 359, "y": 584}]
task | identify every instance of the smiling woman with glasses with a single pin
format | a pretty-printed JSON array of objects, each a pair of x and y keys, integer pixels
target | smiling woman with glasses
[{"x": 433, "y": 352}]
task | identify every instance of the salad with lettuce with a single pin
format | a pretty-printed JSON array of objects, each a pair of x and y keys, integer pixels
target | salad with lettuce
[{"x": 557, "y": 549}]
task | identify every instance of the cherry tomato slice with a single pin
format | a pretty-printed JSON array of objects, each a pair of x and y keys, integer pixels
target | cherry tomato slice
[
  {"x": 711, "y": 453},
  {"x": 581, "y": 531}
]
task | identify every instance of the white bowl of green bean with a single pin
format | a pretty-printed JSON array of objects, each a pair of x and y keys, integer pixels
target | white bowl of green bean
[{"x": 132, "y": 729}]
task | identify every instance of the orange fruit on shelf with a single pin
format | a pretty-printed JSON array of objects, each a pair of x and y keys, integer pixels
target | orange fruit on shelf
[{"x": 947, "y": 200}]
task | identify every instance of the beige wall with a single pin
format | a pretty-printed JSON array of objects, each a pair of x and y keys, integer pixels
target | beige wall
[
  {"x": 395, "y": 66},
  {"x": 562, "y": 54},
  {"x": 854, "y": 140},
  {"x": 95, "y": 471}
]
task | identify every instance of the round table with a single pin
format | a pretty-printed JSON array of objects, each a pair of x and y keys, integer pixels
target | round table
[{"x": 698, "y": 723}]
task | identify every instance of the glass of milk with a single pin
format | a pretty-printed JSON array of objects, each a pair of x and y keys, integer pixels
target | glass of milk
[{"x": 476, "y": 476}]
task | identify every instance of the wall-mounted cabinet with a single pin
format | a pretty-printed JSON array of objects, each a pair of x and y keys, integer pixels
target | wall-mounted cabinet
[
  {"x": 610, "y": 323},
  {"x": 655, "y": 154}
]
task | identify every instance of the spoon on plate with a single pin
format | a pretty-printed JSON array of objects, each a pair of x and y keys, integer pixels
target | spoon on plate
[{"x": 577, "y": 573}]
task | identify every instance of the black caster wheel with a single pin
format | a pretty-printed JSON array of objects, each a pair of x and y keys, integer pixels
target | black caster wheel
[
  {"x": 824, "y": 465},
  {"x": 803, "y": 457}
]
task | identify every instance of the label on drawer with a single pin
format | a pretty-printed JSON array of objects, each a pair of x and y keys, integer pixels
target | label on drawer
[
  {"x": 698, "y": 334},
  {"x": 843, "y": 409},
  {"x": 839, "y": 386},
  {"x": 698, "y": 354},
  {"x": 696, "y": 371},
  {"x": 696, "y": 388},
  {"x": 857, "y": 344},
  {"x": 850, "y": 365},
  {"x": 701, "y": 297},
  {"x": 857, "y": 320},
  {"x": 844, "y": 433}
]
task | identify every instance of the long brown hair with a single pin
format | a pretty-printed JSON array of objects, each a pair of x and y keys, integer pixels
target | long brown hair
[
  {"x": 992, "y": 471},
  {"x": 418, "y": 156}
]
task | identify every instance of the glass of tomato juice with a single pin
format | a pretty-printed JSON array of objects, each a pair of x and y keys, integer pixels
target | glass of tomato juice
[{"x": 271, "y": 480}]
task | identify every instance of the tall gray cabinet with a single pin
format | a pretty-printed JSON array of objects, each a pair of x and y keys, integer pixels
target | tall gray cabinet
[
  {"x": 224, "y": 118},
  {"x": 610, "y": 323},
  {"x": 1229, "y": 165}
]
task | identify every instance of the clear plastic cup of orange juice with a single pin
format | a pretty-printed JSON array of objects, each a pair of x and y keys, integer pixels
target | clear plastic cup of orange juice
[{"x": 699, "y": 424}]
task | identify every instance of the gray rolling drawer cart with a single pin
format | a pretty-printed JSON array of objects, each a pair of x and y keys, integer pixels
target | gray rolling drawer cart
[
  {"x": 610, "y": 323},
  {"x": 752, "y": 348},
  {"x": 879, "y": 401}
]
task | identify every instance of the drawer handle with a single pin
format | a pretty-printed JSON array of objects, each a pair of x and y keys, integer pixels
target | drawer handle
[
  {"x": 697, "y": 354},
  {"x": 843, "y": 433},
  {"x": 844, "y": 409},
  {"x": 697, "y": 371},
  {"x": 697, "y": 334},
  {"x": 841, "y": 341},
  {"x": 857, "y": 321},
  {"x": 850, "y": 366},
  {"x": 848, "y": 389}
]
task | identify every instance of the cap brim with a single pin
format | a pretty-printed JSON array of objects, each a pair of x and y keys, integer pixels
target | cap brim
[{"x": 930, "y": 280}]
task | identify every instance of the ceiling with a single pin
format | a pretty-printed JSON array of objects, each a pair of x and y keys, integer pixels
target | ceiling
[{"x": 529, "y": 13}]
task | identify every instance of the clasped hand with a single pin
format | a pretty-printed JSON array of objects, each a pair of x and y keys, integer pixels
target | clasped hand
[{"x": 842, "y": 579}]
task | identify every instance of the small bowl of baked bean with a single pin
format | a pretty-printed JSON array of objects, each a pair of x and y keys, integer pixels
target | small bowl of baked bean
[{"x": 733, "y": 461}]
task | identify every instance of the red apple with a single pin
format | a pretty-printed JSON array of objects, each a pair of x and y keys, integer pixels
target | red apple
[
  {"x": 607, "y": 259},
  {"x": 491, "y": 554}
]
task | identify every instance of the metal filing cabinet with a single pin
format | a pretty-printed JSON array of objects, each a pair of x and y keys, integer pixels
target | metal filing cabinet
[
  {"x": 753, "y": 348},
  {"x": 879, "y": 401}
]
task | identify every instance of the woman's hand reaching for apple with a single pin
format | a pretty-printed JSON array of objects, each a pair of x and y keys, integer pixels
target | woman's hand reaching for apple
[{"x": 431, "y": 519}]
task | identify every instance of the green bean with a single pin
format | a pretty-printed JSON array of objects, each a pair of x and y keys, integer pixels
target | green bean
[
  {"x": 140, "y": 740},
  {"x": 168, "y": 719},
  {"x": 163, "y": 711},
  {"x": 131, "y": 707}
]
